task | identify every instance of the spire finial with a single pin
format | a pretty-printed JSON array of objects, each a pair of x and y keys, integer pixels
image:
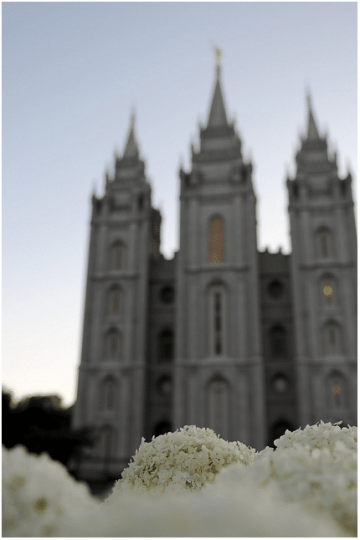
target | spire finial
[
  {"x": 217, "y": 115},
  {"x": 131, "y": 147},
  {"x": 218, "y": 56},
  {"x": 312, "y": 131},
  {"x": 132, "y": 118}
]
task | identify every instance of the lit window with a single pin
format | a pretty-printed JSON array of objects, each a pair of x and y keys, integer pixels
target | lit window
[
  {"x": 217, "y": 321},
  {"x": 216, "y": 240},
  {"x": 336, "y": 390},
  {"x": 327, "y": 290}
]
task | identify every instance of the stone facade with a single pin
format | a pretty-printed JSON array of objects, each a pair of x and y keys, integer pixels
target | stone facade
[{"x": 248, "y": 343}]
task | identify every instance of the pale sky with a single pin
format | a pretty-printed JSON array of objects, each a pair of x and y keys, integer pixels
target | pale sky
[{"x": 73, "y": 72}]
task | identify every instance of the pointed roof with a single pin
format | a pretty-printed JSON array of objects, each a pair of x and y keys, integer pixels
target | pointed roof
[
  {"x": 131, "y": 146},
  {"x": 217, "y": 114},
  {"x": 312, "y": 131}
]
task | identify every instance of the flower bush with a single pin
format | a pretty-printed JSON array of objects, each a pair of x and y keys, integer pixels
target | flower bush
[
  {"x": 39, "y": 498},
  {"x": 183, "y": 460},
  {"x": 192, "y": 483},
  {"x": 317, "y": 467}
]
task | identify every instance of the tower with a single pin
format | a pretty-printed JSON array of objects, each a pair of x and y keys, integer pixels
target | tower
[
  {"x": 218, "y": 363},
  {"x": 125, "y": 230},
  {"x": 323, "y": 266}
]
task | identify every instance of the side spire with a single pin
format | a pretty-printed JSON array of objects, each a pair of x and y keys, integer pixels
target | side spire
[
  {"x": 312, "y": 132},
  {"x": 217, "y": 115},
  {"x": 131, "y": 146}
]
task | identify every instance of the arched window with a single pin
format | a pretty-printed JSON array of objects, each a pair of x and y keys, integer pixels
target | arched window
[
  {"x": 218, "y": 407},
  {"x": 117, "y": 256},
  {"x": 278, "y": 342},
  {"x": 164, "y": 385},
  {"x": 112, "y": 345},
  {"x": 166, "y": 345},
  {"x": 217, "y": 320},
  {"x": 280, "y": 383},
  {"x": 108, "y": 394},
  {"x": 107, "y": 442},
  {"x": 216, "y": 240},
  {"x": 336, "y": 390},
  {"x": 332, "y": 338},
  {"x": 114, "y": 301},
  {"x": 324, "y": 243},
  {"x": 328, "y": 291}
]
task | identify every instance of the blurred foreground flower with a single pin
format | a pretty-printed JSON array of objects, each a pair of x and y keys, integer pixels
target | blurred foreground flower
[
  {"x": 39, "y": 497},
  {"x": 317, "y": 467},
  {"x": 192, "y": 483}
]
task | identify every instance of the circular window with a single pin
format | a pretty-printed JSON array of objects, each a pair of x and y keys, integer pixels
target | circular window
[
  {"x": 275, "y": 288},
  {"x": 280, "y": 383},
  {"x": 167, "y": 294},
  {"x": 164, "y": 386}
]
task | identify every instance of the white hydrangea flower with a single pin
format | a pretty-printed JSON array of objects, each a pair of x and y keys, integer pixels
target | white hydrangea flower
[
  {"x": 183, "y": 460},
  {"x": 231, "y": 506},
  {"x": 316, "y": 466},
  {"x": 39, "y": 497},
  {"x": 192, "y": 483}
]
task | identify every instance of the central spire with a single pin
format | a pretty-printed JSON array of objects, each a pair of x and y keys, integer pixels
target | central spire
[
  {"x": 312, "y": 132},
  {"x": 217, "y": 115},
  {"x": 131, "y": 148}
]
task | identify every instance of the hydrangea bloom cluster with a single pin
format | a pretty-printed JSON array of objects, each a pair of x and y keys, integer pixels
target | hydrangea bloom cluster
[
  {"x": 317, "y": 467},
  {"x": 192, "y": 483},
  {"x": 231, "y": 506},
  {"x": 183, "y": 460},
  {"x": 39, "y": 498}
]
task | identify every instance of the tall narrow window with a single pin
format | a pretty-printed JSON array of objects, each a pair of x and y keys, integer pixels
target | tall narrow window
[
  {"x": 113, "y": 345},
  {"x": 216, "y": 240},
  {"x": 218, "y": 407},
  {"x": 117, "y": 256},
  {"x": 166, "y": 345},
  {"x": 278, "y": 342},
  {"x": 107, "y": 393},
  {"x": 332, "y": 339},
  {"x": 217, "y": 320},
  {"x": 114, "y": 301},
  {"x": 107, "y": 442},
  {"x": 336, "y": 390},
  {"x": 324, "y": 243}
]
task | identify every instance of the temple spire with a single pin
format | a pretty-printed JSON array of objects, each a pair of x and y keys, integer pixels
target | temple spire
[
  {"x": 312, "y": 132},
  {"x": 217, "y": 115},
  {"x": 131, "y": 147}
]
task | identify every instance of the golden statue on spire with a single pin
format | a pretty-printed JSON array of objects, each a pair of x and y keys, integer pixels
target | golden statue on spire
[{"x": 218, "y": 55}]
